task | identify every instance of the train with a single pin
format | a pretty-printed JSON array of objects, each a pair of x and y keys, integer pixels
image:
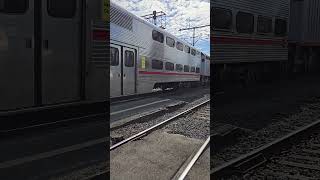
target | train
[
  {"x": 52, "y": 53},
  {"x": 144, "y": 57},
  {"x": 248, "y": 38},
  {"x": 304, "y": 36},
  {"x": 263, "y": 39}
]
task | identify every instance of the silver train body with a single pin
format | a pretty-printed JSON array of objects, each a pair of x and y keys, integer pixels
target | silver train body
[
  {"x": 52, "y": 54},
  {"x": 233, "y": 41},
  {"x": 144, "y": 57},
  {"x": 205, "y": 69}
]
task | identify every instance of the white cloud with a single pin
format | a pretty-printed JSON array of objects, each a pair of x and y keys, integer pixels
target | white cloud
[{"x": 180, "y": 14}]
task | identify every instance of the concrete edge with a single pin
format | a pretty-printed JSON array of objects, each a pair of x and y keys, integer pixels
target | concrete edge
[{"x": 147, "y": 115}]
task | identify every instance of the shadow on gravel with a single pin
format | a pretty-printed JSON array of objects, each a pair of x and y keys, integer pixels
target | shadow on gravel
[
  {"x": 223, "y": 135},
  {"x": 257, "y": 106}
]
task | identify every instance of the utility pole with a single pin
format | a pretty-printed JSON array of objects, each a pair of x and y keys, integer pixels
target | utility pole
[
  {"x": 194, "y": 31},
  {"x": 156, "y": 15}
]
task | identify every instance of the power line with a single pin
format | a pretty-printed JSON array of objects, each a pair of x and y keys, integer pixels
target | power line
[{"x": 194, "y": 31}]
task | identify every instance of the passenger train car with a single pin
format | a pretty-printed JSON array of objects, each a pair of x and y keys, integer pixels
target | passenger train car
[
  {"x": 249, "y": 38},
  {"x": 52, "y": 53},
  {"x": 304, "y": 36},
  {"x": 205, "y": 69},
  {"x": 145, "y": 57}
]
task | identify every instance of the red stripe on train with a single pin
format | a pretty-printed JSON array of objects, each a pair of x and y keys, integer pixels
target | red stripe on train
[
  {"x": 233, "y": 40},
  {"x": 167, "y": 73},
  {"x": 100, "y": 35}
]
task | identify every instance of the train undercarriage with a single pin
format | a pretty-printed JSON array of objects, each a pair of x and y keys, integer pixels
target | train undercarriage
[
  {"x": 301, "y": 60},
  {"x": 204, "y": 81}
]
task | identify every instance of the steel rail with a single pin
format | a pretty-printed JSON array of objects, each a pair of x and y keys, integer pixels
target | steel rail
[
  {"x": 54, "y": 123},
  {"x": 157, "y": 125},
  {"x": 99, "y": 176},
  {"x": 257, "y": 157},
  {"x": 194, "y": 159}
]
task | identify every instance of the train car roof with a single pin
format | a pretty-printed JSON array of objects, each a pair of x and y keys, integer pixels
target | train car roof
[{"x": 153, "y": 26}]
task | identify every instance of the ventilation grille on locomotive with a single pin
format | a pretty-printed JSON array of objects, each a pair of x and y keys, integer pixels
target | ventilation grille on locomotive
[{"x": 120, "y": 18}]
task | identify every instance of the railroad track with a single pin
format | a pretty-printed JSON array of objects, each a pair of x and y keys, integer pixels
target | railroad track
[
  {"x": 99, "y": 176},
  {"x": 51, "y": 116},
  {"x": 57, "y": 123},
  {"x": 117, "y": 100},
  {"x": 186, "y": 168},
  {"x": 49, "y": 149},
  {"x": 300, "y": 163},
  {"x": 29, "y": 164},
  {"x": 161, "y": 94},
  {"x": 156, "y": 126},
  {"x": 198, "y": 113}
]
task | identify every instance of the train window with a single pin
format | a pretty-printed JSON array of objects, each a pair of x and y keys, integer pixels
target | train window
[
  {"x": 221, "y": 18},
  {"x": 186, "y": 49},
  {"x": 114, "y": 53},
  {"x": 170, "y": 42},
  {"x": 179, "y": 67},
  {"x": 186, "y": 68},
  {"x": 157, "y": 36},
  {"x": 14, "y": 6},
  {"x": 193, "y": 69},
  {"x": 169, "y": 66},
  {"x": 245, "y": 23},
  {"x": 129, "y": 59},
  {"x": 179, "y": 46},
  {"x": 264, "y": 25},
  {"x": 193, "y": 52},
  {"x": 198, "y": 53},
  {"x": 157, "y": 64},
  {"x": 280, "y": 27},
  {"x": 197, "y": 70},
  {"x": 62, "y": 8}
]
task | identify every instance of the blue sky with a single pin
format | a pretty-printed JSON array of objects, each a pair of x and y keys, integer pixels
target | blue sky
[{"x": 180, "y": 14}]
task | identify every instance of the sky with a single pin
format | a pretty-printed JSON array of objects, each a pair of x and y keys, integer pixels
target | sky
[{"x": 179, "y": 14}]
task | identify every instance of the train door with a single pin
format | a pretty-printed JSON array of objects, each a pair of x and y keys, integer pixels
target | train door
[
  {"x": 60, "y": 59},
  {"x": 122, "y": 71},
  {"x": 16, "y": 54},
  {"x": 115, "y": 71},
  {"x": 129, "y": 70}
]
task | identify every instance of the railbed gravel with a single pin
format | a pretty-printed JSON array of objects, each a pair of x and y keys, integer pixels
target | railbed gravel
[
  {"x": 194, "y": 125},
  {"x": 85, "y": 173},
  {"x": 273, "y": 166},
  {"x": 134, "y": 128},
  {"x": 308, "y": 113}
]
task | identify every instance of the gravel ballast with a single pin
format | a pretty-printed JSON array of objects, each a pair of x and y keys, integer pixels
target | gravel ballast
[{"x": 134, "y": 128}]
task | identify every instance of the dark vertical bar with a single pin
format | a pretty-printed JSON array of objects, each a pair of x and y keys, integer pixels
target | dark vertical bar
[
  {"x": 38, "y": 51},
  {"x": 82, "y": 48},
  {"x": 136, "y": 69},
  {"x": 122, "y": 59}
]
